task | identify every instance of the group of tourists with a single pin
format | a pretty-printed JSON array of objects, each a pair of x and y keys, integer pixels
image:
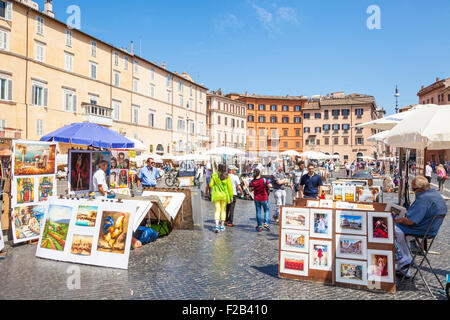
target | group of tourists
[{"x": 441, "y": 171}]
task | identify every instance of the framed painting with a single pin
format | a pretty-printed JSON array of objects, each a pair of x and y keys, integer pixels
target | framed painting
[
  {"x": 86, "y": 215},
  {"x": 320, "y": 255},
  {"x": 396, "y": 210},
  {"x": 23, "y": 190},
  {"x": 338, "y": 192},
  {"x": 350, "y": 193},
  {"x": 351, "y": 222},
  {"x": 380, "y": 266},
  {"x": 380, "y": 227},
  {"x": 27, "y": 222},
  {"x": 321, "y": 225},
  {"x": 351, "y": 247},
  {"x": 351, "y": 272},
  {"x": 32, "y": 158},
  {"x": 46, "y": 188},
  {"x": 80, "y": 174},
  {"x": 294, "y": 263},
  {"x": 120, "y": 159},
  {"x": 294, "y": 240},
  {"x": 295, "y": 218}
]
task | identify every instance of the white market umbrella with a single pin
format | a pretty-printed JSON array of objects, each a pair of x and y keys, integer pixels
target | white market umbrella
[
  {"x": 425, "y": 128},
  {"x": 290, "y": 153},
  {"x": 313, "y": 155},
  {"x": 225, "y": 150},
  {"x": 379, "y": 137},
  {"x": 169, "y": 157},
  {"x": 138, "y": 145},
  {"x": 367, "y": 158}
]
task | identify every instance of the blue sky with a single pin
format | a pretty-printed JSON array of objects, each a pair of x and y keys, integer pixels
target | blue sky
[{"x": 283, "y": 47}]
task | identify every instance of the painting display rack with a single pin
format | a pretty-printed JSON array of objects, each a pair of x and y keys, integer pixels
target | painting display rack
[{"x": 342, "y": 247}]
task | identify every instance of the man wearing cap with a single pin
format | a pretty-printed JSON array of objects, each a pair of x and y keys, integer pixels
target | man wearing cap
[{"x": 236, "y": 186}]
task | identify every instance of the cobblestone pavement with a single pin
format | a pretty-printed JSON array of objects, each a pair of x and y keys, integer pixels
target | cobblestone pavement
[{"x": 236, "y": 264}]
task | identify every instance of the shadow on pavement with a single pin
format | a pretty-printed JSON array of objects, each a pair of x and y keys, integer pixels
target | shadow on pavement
[{"x": 270, "y": 270}]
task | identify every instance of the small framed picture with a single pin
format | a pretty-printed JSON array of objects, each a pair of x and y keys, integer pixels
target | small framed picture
[
  {"x": 320, "y": 255},
  {"x": 338, "y": 192},
  {"x": 351, "y": 272},
  {"x": 312, "y": 204},
  {"x": 350, "y": 193},
  {"x": 380, "y": 266},
  {"x": 321, "y": 223},
  {"x": 295, "y": 218},
  {"x": 396, "y": 210},
  {"x": 351, "y": 222},
  {"x": 346, "y": 205},
  {"x": 351, "y": 247},
  {"x": 380, "y": 227},
  {"x": 326, "y": 204},
  {"x": 294, "y": 240},
  {"x": 294, "y": 263}
]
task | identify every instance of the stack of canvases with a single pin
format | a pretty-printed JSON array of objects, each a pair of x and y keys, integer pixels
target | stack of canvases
[
  {"x": 354, "y": 249},
  {"x": 33, "y": 185},
  {"x": 88, "y": 231}
]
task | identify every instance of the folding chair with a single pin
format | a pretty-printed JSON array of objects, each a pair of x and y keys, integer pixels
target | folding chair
[{"x": 423, "y": 247}]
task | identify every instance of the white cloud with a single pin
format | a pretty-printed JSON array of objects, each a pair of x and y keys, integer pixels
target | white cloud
[
  {"x": 265, "y": 17},
  {"x": 226, "y": 22},
  {"x": 287, "y": 14},
  {"x": 272, "y": 21}
]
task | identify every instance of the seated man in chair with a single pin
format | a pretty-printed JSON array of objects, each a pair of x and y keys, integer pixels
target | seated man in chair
[{"x": 428, "y": 204}]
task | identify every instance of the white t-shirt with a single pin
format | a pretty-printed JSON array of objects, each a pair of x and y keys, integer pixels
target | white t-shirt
[
  {"x": 235, "y": 182},
  {"x": 429, "y": 171},
  {"x": 99, "y": 178}
]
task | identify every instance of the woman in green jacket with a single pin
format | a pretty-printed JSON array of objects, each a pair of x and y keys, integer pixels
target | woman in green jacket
[{"x": 221, "y": 195}]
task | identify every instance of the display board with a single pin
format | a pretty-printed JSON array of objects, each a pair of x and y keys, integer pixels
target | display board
[
  {"x": 88, "y": 232},
  {"x": 171, "y": 201},
  {"x": 33, "y": 183},
  {"x": 345, "y": 247},
  {"x": 355, "y": 191},
  {"x": 120, "y": 169}
]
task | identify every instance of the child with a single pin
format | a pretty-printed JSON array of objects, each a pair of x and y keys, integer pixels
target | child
[{"x": 221, "y": 195}]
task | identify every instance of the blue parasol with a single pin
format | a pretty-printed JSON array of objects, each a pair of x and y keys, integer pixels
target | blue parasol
[{"x": 89, "y": 134}]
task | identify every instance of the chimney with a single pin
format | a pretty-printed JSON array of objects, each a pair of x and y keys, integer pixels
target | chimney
[
  {"x": 163, "y": 65},
  {"x": 423, "y": 87},
  {"x": 437, "y": 79},
  {"x": 48, "y": 8},
  {"x": 132, "y": 45}
]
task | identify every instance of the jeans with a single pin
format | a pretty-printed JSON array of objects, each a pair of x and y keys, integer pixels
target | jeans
[
  {"x": 265, "y": 206},
  {"x": 230, "y": 210},
  {"x": 280, "y": 198}
]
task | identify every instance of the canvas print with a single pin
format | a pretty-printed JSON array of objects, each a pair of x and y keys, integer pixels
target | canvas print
[
  {"x": 321, "y": 223},
  {"x": 294, "y": 240},
  {"x": 351, "y": 247},
  {"x": 120, "y": 159},
  {"x": 81, "y": 245},
  {"x": 396, "y": 210},
  {"x": 33, "y": 158},
  {"x": 113, "y": 232},
  {"x": 351, "y": 271},
  {"x": 380, "y": 227},
  {"x": 122, "y": 179},
  {"x": 295, "y": 218},
  {"x": 113, "y": 179},
  {"x": 380, "y": 266},
  {"x": 45, "y": 188},
  {"x": 351, "y": 222},
  {"x": 98, "y": 156},
  {"x": 312, "y": 204},
  {"x": 80, "y": 171},
  {"x": 320, "y": 255},
  {"x": 294, "y": 263},
  {"x": 25, "y": 190},
  {"x": 338, "y": 192},
  {"x": 86, "y": 216},
  {"x": 27, "y": 222},
  {"x": 56, "y": 227},
  {"x": 375, "y": 191},
  {"x": 350, "y": 193}
]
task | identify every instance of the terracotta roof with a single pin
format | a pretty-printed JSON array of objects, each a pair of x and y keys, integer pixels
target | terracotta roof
[{"x": 256, "y": 96}]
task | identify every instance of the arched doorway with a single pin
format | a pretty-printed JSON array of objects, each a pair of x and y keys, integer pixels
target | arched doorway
[
  {"x": 160, "y": 149},
  {"x": 359, "y": 156}
]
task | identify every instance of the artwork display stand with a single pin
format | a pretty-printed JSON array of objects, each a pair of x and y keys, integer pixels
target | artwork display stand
[{"x": 295, "y": 255}]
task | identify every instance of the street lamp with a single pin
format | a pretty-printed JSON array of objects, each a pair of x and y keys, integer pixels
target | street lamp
[{"x": 396, "y": 99}]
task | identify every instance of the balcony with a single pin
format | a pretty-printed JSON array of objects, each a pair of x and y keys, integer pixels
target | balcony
[{"x": 97, "y": 114}]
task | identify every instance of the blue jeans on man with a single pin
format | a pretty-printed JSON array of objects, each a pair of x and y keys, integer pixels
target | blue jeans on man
[{"x": 259, "y": 206}]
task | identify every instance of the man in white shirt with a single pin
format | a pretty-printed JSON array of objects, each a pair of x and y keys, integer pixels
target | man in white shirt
[
  {"x": 236, "y": 183},
  {"x": 99, "y": 180},
  {"x": 428, "y": 172}
]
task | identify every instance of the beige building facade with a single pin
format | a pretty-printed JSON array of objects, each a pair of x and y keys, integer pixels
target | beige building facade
[
  {"x": 328, "y": 126},
  {"x": 51, "y": 76},
  {"x": 227, "y": 121},
  {"x": 436, "y": 93}
]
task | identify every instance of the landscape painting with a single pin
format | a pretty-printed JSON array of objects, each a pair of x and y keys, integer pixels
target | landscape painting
[
  {"x": 82, "y": 245},
  {"x": 294, "y": 240},
  {"x": 113, "y": 232},
  {"x": 33, "y": 158},
  {"x": 295, "y": 218},
  {"x": 351, "y": 222},
  {"x": 86, "y": 216},
  {"x": 56, "y": 227},
  {"x": 294, "y": 263},
  {"x": 351, "y": 247},
  {"x": 27, "y": 222},
  {"x": 351, "y": 272}
]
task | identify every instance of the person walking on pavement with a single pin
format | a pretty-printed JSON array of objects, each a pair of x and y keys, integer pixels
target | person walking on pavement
[
  {"x": 347, "y": 168},
  {"x": 221, "y": 195},
  {"x": 441, "y": 177},
  {"x": 428, "y": 172},
  {"x": 259, "y": 187},
  {"x": 311, "y": 184},
  {"x": 279, "y": 182},
  {"x": 236, "y": 186}
]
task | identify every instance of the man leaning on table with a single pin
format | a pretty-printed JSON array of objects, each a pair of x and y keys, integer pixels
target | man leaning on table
[{"x": 428, "y": 204}]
